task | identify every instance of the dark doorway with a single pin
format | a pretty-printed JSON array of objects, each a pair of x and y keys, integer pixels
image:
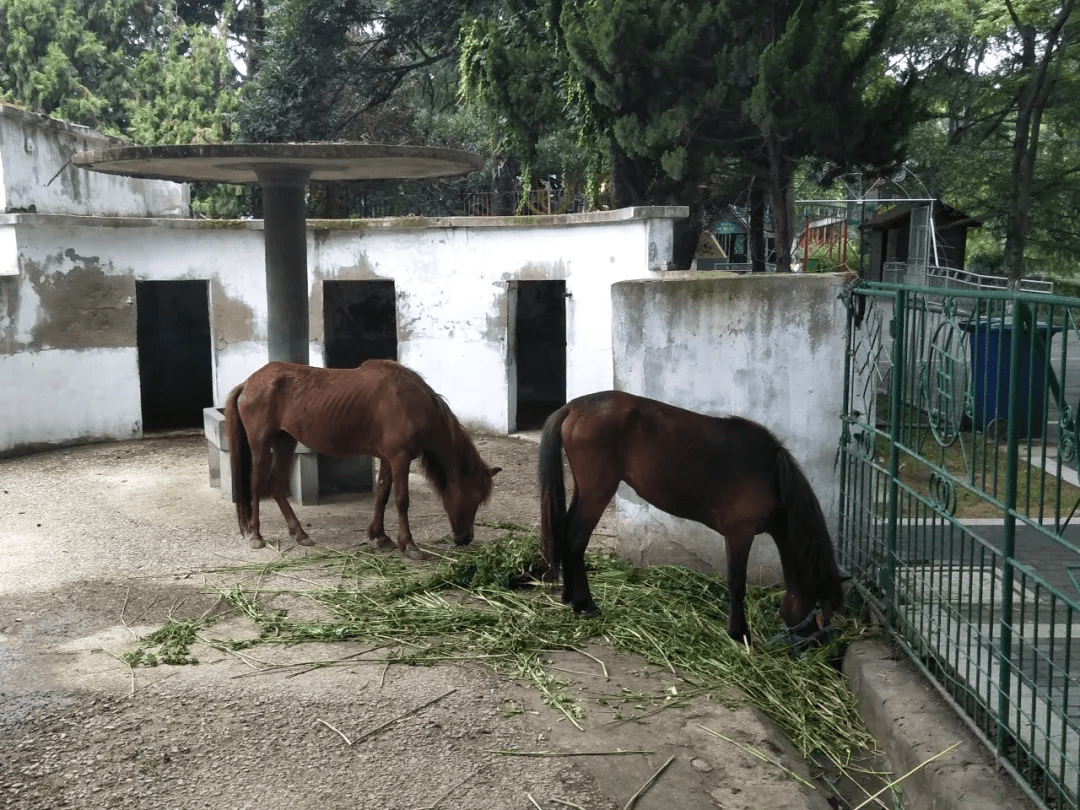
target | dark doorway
[
  {"x": 359, "y": 322},
  {"x": 540, "y": 351},
  {"x": 173, "y": 338}
]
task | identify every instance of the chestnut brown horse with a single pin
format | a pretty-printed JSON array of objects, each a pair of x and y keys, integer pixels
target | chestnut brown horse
[
  {"x": 379, "y": 409},
  {"x": 730, "y": 474}
]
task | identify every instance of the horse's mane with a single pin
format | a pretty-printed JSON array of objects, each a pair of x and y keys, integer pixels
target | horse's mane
[
  {"x": 814, "y": 560},
  {"x": 463, "y": 451}
]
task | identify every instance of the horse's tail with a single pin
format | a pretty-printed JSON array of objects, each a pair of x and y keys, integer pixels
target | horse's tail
[
  {"x": 239, "y": 459},
  {"x": 807, "y": 529},
  {"x": 552, "y": 492}
]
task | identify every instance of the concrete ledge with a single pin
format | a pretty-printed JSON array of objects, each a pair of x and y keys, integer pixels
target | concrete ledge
[
  {"x": 408, "y": 223},
  {"x": 912, "y": 723}
]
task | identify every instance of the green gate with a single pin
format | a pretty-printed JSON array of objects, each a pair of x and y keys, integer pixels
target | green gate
[{"x": 958, "y": 510}]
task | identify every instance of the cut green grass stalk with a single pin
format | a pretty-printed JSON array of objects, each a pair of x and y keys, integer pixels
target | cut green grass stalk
[{"x": 466, "y": 607}]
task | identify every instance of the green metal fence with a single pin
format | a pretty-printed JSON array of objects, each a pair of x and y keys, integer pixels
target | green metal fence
[{"x": 959, "y": 501}]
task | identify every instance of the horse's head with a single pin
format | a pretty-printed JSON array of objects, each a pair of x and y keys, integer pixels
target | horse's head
[
  {"x": 462, "y": 501},
  {"x": 808, "y": 617}
]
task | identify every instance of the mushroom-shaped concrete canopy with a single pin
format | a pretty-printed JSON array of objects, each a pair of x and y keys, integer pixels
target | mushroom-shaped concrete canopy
[
  {"x": 283, "y": 170},
  {"x": 244, "y": 163}
]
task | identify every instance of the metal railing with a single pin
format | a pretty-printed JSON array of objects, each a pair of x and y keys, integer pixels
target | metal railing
[
  {"x": 950, "y": 278},
  {"x": 959, "y": 496}
]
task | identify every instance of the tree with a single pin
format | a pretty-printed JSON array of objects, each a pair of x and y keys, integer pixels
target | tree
[
  {"x": 823, "y": 96},
  {"x": 328, "y": 63},
  {"x": 72, "y": 58},
  {"x": 684, "y": 96},
  {"x": 188, "y": 90},
  {"x": 1000, "y": 90},
  {"x": 1038, "y": 42},
  {"x": 154, "y": 72}
]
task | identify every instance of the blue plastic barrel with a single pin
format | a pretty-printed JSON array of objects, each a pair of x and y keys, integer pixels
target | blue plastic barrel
[{"x": 991, "y": 343}]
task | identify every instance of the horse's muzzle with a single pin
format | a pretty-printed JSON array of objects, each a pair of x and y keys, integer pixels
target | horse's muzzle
[
  {"x": 464, "y": 540},
  {"x": 810, "y": 632}
]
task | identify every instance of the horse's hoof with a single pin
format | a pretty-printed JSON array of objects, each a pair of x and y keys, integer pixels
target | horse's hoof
[
  {"x": 416, "y": 553},
  {"x": 590, "y": 611},
  {"x": 304, "y": 540},
  {"x": 384, "y": 542},
  {"x": 256, "y": 542}
]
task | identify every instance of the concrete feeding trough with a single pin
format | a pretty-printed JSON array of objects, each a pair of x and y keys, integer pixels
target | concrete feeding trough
[{"x": 311, "y": 475}]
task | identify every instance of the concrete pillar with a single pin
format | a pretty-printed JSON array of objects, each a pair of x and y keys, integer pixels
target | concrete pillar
[{"x": 285, "y": 236}]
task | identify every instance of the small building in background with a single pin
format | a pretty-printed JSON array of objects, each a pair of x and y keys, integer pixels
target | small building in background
[
  {"x": 913, "y": 236},
  {"x": 725, "y": 243}
]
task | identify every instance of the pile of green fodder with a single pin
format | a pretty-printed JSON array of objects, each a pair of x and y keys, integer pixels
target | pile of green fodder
[{"x": 483, "y": 603}]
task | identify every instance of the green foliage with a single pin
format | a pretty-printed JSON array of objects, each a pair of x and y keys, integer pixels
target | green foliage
[
  {"x": 686, "y": 101},
  {"x": 327, "y": 65},
  {"x": 188, "y": 91},
  {"x": 71, "y": 58},
  {"x": 1000, "y": 87},
  {"x": 481, "y": 604}
]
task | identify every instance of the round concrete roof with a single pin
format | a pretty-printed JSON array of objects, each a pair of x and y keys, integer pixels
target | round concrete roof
[{"x": 242, "y": 162}]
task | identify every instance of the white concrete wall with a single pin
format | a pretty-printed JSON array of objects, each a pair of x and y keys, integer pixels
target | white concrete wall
[
  {"x": 451, "y": 282},
  {"x": 67, "y": 312},
  {"x": 769, "y": 348},
  {"x": 35, "y": 175}
]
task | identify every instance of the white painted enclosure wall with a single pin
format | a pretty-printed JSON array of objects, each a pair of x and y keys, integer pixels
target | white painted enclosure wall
[
  {"x": 769, "y": 348},
  {"x": 35, "y": 174},
  {"x": 69, "y": 308}
]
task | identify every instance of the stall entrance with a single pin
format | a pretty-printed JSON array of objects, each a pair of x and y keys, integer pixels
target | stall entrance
[
  {"x": 537, "y": 351},
  {"x": 359, "y": 323},
  {"x": 175, "y": 358}
]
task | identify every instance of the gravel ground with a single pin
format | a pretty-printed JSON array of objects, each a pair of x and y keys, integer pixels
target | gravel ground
[{"x": 104, "y": 543}]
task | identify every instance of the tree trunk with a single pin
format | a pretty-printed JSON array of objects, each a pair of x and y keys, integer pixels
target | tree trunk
[
  {"x": 626, "y": 181},
  {"x": 757, "y": 227},
  {"x": 505, "y": 183},
  {"x": 1041, "y": 71},
  {"x": 782, "y": 193},
  {"x": 686, "y": 233}
]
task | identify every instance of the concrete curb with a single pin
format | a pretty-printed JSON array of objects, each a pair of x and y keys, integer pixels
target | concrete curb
[{"x": 912, "y": 723}]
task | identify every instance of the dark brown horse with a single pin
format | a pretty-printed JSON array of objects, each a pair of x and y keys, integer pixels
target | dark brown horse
[
  {"x": 730, "y": 474},
  {"x": 379, "y": 409}
]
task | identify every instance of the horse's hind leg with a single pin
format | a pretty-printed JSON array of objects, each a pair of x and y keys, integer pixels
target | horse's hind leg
[
  {"x": 573, "y": 520},
  {"x": 261, "y": 463},
  {"x": 582, "y": 517},
  {"x": 284, "y": 447},
  {"x": 377, "y": 529}
]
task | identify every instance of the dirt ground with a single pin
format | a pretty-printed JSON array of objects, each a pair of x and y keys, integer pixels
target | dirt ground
[{"x": 102, "y": 544}]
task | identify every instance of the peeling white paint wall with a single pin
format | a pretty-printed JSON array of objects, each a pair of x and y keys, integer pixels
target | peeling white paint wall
[
  {"x": 450, "y": 278},
  {"x": 451, "y": 287},
  {"x": 769, "y": 348},
  {"x": 73, "y": 244},
  {"x": 50, "y": 397},
  {"x": 36, "y": 176}
]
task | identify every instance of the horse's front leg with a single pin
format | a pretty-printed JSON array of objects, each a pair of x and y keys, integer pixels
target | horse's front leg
[
  {"x": 400, "y": 472},
  {"x": 377, "y": 529},
  {"x": 284, "y": 447},
  {"x": 738, "y": 553}
]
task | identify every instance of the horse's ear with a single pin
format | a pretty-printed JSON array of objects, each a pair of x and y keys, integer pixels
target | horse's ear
[{"x": 493, "y": 470}]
